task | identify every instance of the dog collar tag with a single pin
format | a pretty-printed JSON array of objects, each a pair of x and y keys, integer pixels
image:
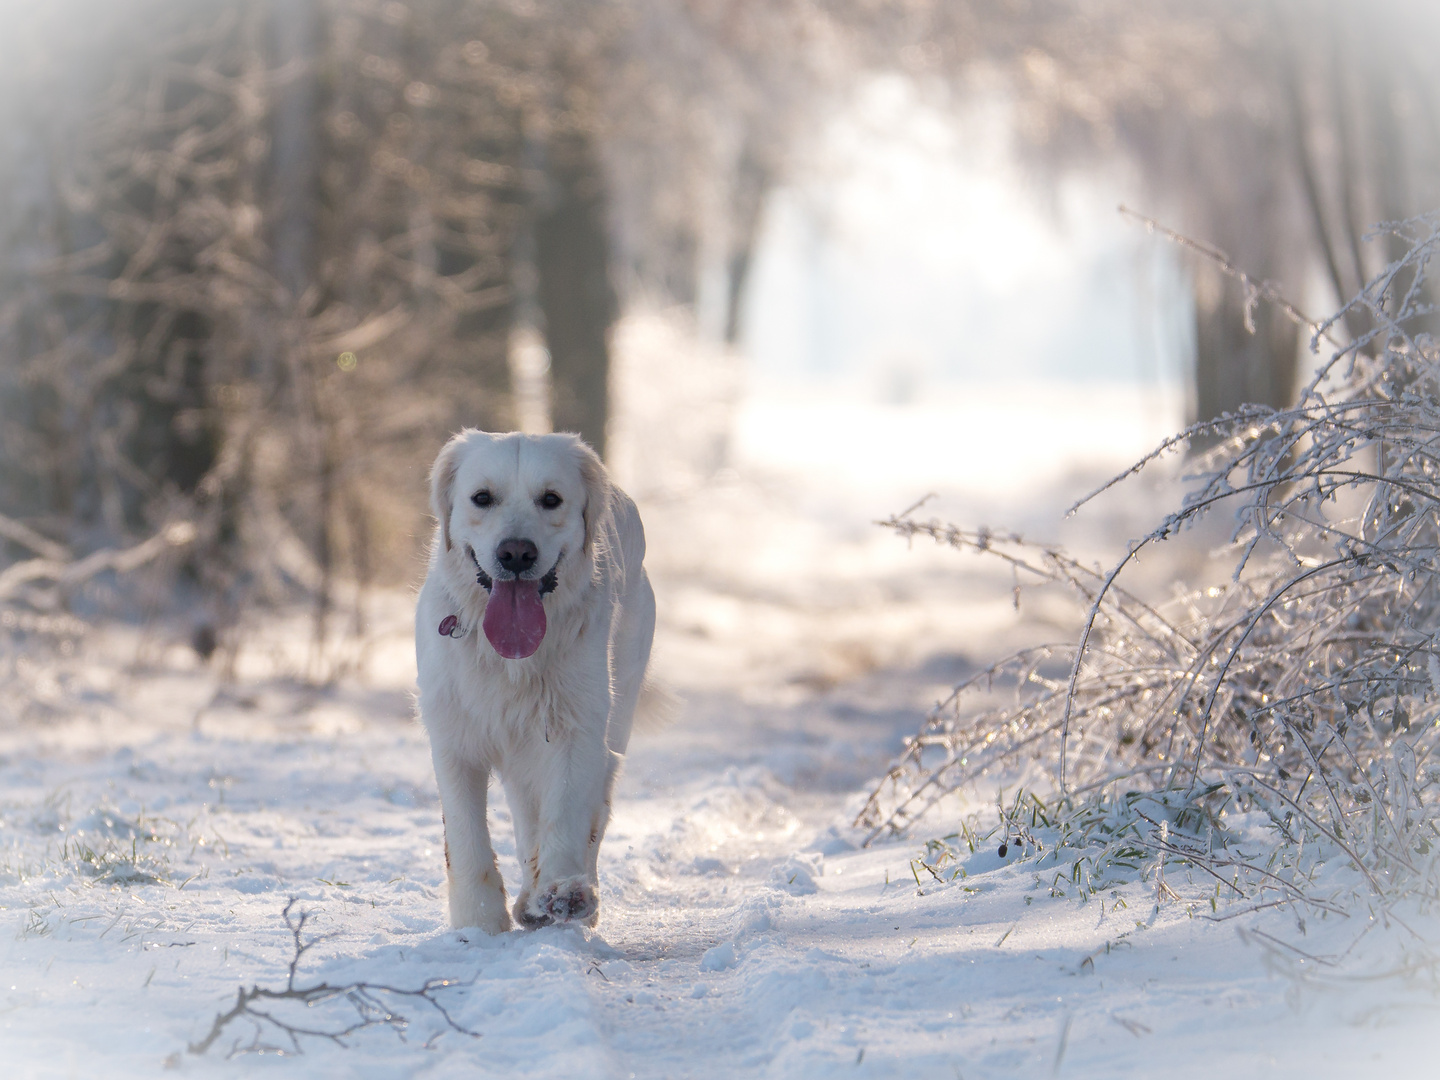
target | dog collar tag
[{"x": 450, "y": 627}]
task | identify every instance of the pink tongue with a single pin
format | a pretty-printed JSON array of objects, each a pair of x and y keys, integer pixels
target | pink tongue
[{"x": 515, "y": 618}]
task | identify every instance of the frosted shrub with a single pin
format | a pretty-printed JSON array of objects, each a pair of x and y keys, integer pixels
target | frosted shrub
[{"x": 1302, "y": 693}]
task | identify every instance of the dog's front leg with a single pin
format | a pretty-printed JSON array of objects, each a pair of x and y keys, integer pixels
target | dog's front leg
[
  {"x": 477, "y": 892},
  {"x": 573, "y": 781}
]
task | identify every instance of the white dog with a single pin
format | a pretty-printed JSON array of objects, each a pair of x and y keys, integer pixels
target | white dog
[{"x": 532, "y": 634}]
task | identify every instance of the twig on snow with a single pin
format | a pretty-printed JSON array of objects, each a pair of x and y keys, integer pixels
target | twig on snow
[{"x": 366, "y": 998}]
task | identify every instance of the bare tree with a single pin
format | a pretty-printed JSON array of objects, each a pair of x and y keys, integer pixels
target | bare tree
[{"x": 269, "y": 275}]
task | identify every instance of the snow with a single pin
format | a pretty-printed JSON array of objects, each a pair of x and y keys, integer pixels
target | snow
[{"x": 743, "y": 932}]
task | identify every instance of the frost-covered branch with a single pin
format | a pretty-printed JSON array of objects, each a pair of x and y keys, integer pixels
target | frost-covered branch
[{"x": 1306, "y": 687}]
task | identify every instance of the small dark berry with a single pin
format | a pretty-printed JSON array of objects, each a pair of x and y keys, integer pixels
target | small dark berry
[{"x": 1003, "y": 849}]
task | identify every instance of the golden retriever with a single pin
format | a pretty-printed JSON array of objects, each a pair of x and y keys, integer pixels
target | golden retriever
[{"x": 532, "y": 633}]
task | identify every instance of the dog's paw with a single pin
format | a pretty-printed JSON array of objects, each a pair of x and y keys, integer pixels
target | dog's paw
[
  {"x": 483, "y": 907},
  {"x": 570, "y": 899},
  {"x": 529, "y": 914},
  {"x": 491, "y": 919}
]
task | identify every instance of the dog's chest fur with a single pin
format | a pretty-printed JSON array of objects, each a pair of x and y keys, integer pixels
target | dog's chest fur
[{"x": 500, "y": 706}]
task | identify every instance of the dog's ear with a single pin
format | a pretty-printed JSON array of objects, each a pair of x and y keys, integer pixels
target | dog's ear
[
  {"x": 597, "y": 495},
  {"x": 442, "y": 484}
]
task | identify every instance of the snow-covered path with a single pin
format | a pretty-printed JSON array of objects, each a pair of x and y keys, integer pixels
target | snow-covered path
[
  {"x": 741, "y": 935},
  {"x": 151, "y": 836}
]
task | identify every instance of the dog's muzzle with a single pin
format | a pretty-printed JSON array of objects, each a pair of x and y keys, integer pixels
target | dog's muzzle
[{"x": 549, "y": 581}]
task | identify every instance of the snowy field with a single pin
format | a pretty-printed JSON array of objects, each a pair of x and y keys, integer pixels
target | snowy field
[{"x": 155, "y": 824}]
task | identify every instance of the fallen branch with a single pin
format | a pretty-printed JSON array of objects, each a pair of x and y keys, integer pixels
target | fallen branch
[
  {"x": 67, "y": 574},
  {"x": 366, "y": 998}
]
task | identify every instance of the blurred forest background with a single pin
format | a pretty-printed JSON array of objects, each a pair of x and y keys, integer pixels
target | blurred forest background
[{"x": 260, "y": 257}]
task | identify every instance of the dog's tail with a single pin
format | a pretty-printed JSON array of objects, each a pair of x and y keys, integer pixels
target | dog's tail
[{"x": 657, "y": 707}]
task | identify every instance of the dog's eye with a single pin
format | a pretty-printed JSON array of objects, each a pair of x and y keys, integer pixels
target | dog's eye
[
  {"x": 482, "y": 498},
  {"x": 550, "y": 500}
]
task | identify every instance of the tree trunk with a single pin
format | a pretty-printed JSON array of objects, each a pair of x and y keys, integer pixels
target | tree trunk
[
  {"x": 1233, "y": 366},
  {"x": 572, "y": 256},
  {"x": 752, "y": 182},
  {"x": 292, "y": 174}
]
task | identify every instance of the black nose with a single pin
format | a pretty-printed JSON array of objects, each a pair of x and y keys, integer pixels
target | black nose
[{"x": 516, "y": 555}]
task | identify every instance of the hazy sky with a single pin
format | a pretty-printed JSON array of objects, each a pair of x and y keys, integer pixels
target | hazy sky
[{"x": 914, "y": 248}]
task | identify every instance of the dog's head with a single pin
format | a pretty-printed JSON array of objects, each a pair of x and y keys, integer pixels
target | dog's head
[{"x": 527, "y": 511}]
